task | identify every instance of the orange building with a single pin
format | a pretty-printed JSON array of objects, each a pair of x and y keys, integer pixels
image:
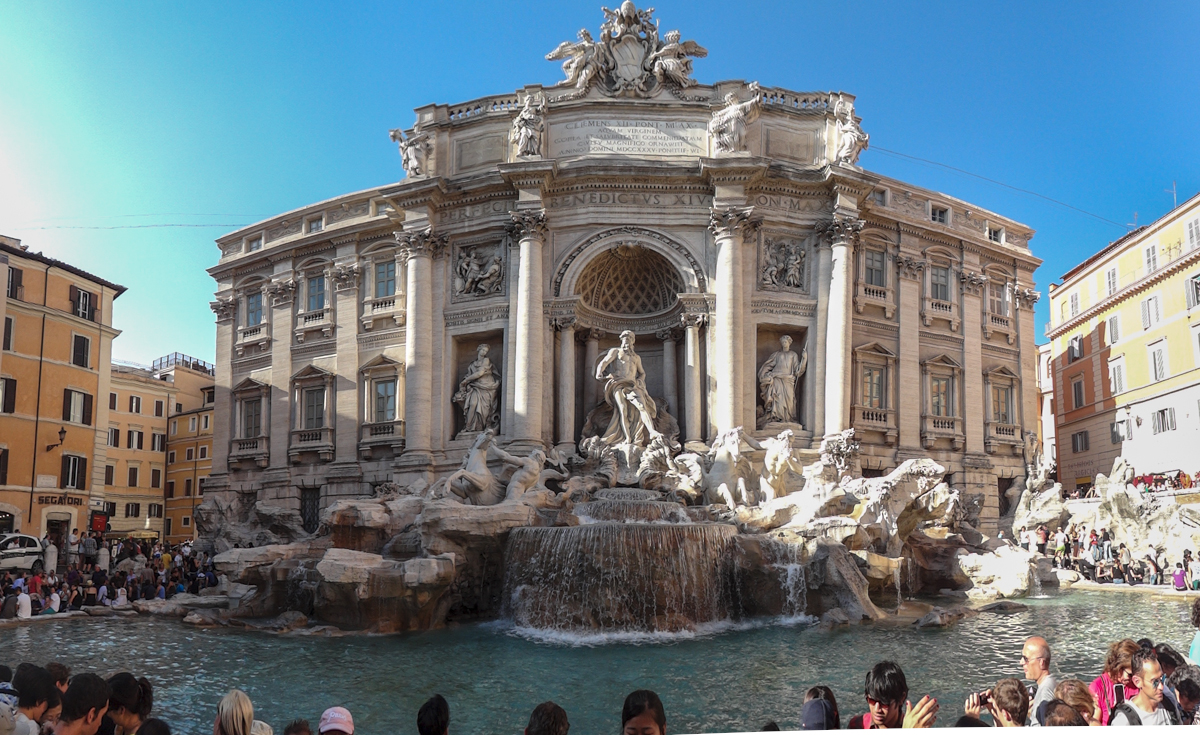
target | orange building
[
  {"x": 54, "y": 382},
  {"x": 189, "y": 442}
]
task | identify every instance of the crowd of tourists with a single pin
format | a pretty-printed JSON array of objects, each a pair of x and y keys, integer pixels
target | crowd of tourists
[
  {"x": 162, "y": 572},
  {"x": 1095, "y": 555},
  {"x": 1140, "y": 684}
]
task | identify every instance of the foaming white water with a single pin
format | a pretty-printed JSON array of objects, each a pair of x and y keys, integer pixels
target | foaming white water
[{"x": 588, "y": 639}]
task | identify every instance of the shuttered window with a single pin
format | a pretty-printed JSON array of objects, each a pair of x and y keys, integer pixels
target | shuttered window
[{"x": 1163, "y": 420}]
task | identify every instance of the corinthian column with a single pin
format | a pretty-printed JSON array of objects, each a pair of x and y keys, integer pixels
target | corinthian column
[
  {"x": 417, "y": 247},
  {"x": 731, "y": 227},
  {"x": 590, "y": 356},
  {"x": 842, "y": 231},
  {"x": 670, "y": 378},
  {"x": 566, "y": 381},
  {"x": 692, "y": 395},
  {"x": 529, "y": 227}
]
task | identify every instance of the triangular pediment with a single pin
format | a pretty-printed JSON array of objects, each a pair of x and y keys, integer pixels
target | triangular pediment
[
  {"x": 311, "y": 371},
  {"x": 248, "y": 384},
  {"x": 875, "y": 348},
  {"x": 942, "y": 359},
  {"x": 380, "y": 362},
  {"x": 1001, "y": 371}
]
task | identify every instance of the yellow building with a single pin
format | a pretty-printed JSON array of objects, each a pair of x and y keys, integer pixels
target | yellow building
[
  {"x": 54, "y": 370},
  {"x": 1125, "y": 343},
  {"x": 189, "y": 442},
  {"x": 135, "y": 467}
]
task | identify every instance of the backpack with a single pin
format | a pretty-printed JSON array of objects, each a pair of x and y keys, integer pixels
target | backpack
[{"x": 1136, "y": 720}]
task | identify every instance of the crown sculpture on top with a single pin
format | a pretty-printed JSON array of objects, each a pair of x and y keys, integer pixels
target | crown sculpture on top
[{"x": 629, "y": 60}]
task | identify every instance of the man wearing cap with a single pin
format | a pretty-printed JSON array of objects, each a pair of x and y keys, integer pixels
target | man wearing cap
[{"x": 337, "y": 721}]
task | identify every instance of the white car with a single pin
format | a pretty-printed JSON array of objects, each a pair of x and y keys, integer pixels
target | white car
[{"x": 19, "y": 552}]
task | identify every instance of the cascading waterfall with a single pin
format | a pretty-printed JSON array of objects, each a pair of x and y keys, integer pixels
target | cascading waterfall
[
  {"x": 632, "y": 511},
  {"x": 786, "y": 559},
  {"x": 897, "y": 579},
  {"x": 911, "y": 570},
  {"x": 302, "y": 583}
]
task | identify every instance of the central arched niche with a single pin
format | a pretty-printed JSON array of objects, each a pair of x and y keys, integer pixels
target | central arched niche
[{"x": 629, "y": 279}]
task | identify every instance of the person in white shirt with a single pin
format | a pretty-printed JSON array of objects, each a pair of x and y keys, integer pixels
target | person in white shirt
[
  {"x": 102, "y": 595},
  {"x": 1148, "y": 707},
  {"x": 73, "y": 546},
  {"x": 122, "y": 597},
  {"x": 1194, "y": 573},
  {"x": 53, "y": 603},
  {"x": 24, "y": 606}
]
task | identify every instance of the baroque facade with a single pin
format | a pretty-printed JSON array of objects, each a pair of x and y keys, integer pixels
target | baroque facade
[{"x": 763, "y": 278}]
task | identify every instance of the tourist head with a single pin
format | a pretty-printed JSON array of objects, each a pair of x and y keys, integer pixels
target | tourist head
[
  {"x": 643, "y": 714},
  {"x": 1035, "y": 658},
  {"x": 1168, "y": 658},
  {"x": 6, "y": 674},
  {"x": 1009, "y": 703},
  {"x": 1145, "y": 643},
  {"x": 434, "y": 716},
  {"x": 36, "y": 693},
  {"x": 1076, "y": 693},
  {"x": 1148, "y": 675},
  {"x": 130, "y": 701},
  {"x": 1188, "y": 693},
  {"x": 1118, "y": 664},
  {"x": 235, "y": 714},
  {"x": 83, "y": 705},
  {"x": 886, "y": 691},
  {"x": 258, "y": 727},
  {"x": 1061, "y": 714},
  {"x": 154, "y": 726},
  {"x": 824, "y": 692},
  {"x": 298, "y": 727},
  {"x": 548, "y": 719},
  {"x": 818, "y": 714},
  {"x": 337, "y": 721}
]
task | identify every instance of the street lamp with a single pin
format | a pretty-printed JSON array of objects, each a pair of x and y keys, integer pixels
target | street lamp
[{"x": 62, "y": 435}]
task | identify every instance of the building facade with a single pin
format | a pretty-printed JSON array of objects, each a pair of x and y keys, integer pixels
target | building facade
[
  {"x": 1125, "y": 337},
  {"x": 135, "y": 466},
  {"x": 54, "y": 380},
  {"x": 189, "y": 443},
  {"x": 1045, "y": 382},
  {"x": 371, "y": 337}
]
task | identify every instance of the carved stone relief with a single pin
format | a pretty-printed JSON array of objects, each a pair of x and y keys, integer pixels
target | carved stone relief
[
  {"x": 782, "y": 265},
  {"x": 479, "y": 270}
]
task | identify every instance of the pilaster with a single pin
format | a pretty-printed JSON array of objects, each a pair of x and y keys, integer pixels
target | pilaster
[
  {"x": 842, "y": 232},
  {"x": 909, "y": 398},
  {"x": 731, "y": 228}
]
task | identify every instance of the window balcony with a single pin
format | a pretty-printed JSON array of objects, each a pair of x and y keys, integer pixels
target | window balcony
[
  {"x": 253, "y": 339},
  {"x": 880, "y": 296},
  {"x": 998, "y": 435},
  {"x": 385, "y": 307},
  {"x": 319, "y": 441},
  {"x": 254, "y": 450},
  {"x": 942, "y": 427},
  {"x": 993, "y": 323},
  {"x": 318, "y": 320},
  {"x": 381, "y": 435},
  {"x": 938, "y": 309},
  {"x": 883, "y": 420}
]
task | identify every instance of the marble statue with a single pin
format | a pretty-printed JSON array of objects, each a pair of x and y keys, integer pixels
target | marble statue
[
  {"x": 777, "y": 462},
  {"x": 625, "y": 390},
  {"x": 727, "y": 472},
  {"x": 526, "y": 474},
  {"x": 413, "y": 151},
  {"x": 529, "y": 126},
  {"x": 671, "y": 62},
  {"x": 852, "y": 141},
  {"x": 473, "y": 481},
  {"x": 839, "y": 451},
  {"x": 585, "y": 59},
  {"x": 783, "y": 265},
  {"x": 777, "y": 383},
  {"x": 477, "y": 393},
  {"x": 728, "y": 125}
]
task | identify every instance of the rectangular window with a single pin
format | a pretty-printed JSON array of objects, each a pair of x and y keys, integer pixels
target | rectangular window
[
  {"x": 874, "y": 268},
  {"x": 77, "y": 407},
  {"x": 1151, "y": 259},
  {"x": 1002, "y": 404},
  {"x": 3, "y": 466},
  {"x": 110, "y": 509},
  {"x": 1079, "y": 442},
  {"x": 1114, "y": 329},
  {"x": 82, "y": 304},
  {"x": 155, "y": 478},
  {"x": 316, "y": 225},
  {"x": 1193, "y": 234},
  {"x": 114, "y": 438},
  {"x": 135, "y": 404},
  {"x": 210, "y": 395},
  {"x": 80, "y": 349},
  {"x": 314, "y": 408},
  {"x": 171, "y": 457},
  {"x": 178, "y": 408},
  {"x": 385, "y": 279},
  {"x": 135, "y": 438},
  {"x": 174, "y": 428},
  {"x": 385, "y": 400},
  {"x": 200, "y": 485},
  {"x": 187, "y": 521},
  {"x": 8, "y": 327},
  {"x": 1151, "y": 312},
  {"x": 872, "y": 387},
  {"x": 939, "y": 280},
  {"x": 316, "y": 293},
  {"x": 1077, "y": 393},
  {"x": 995, "y": 234},
  {"x": 158, "y": 442},
  {"x": 203, "y": 451},
  {"x": 204, "y": 422},
  {"x": 159, "y": 408},
  {"x": 8, "y": 395},
  {"x": 1074, "y": 305},
  {"x": 109, "y": 474},
  {"x": 133, "y": 477},
  {"x": 112, "y": 401},
  {"x": 170, "y": 488},
  {"x": 192, "y": 423},
  {"x": 939, "y": 390},
  {"x": 998, "y": 298},
  {"x": 1075, "y": 348},
  {"x": 1110, "y": 280},
  {"x": 255, "y": 243},
  {"x": 879, "y": 196},
  {"x": 73, "y": 475},
  {"x": 1191, "y": 289},
  {"x": 939, "y": 214},
  {"x": 154, "y": 510},
  {"x": 133, "y": 510},
  {"x": 1163, "y": 420},
  {"x": 1158, "y": 361},
  {"x": 1116, "y": 377},
  {"x": 15, "y": 276},
  {"x": 251, "y": 418},
  {"x": 1120, "y": 431},
  {"x": 254, "y": 310},
  {"x": 187, "y": 488},
  {"x": 188, "y": 454}
]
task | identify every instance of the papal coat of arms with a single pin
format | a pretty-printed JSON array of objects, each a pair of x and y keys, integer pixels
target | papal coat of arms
[{"x": 629, "y": 59}]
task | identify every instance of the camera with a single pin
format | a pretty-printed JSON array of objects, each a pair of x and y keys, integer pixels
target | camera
[{"x": 984, "y": 697}]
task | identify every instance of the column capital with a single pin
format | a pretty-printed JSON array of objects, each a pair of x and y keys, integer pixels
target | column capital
[
  {"x": 842, "y": 229},
  {"x": 562, "y": 323},
  {"x": 345, "y": 276},
  {"x": 596, "y": 334},
  {"x": 671, "y": 334},
  {"x": 693, "y": 320},
  {"x": 910, "y": 267},
  {"x": 727, "y": 221},
  {"x": 283, "y": 291},
  {"x": 224, "y": 307},
  {"x": 1024, "y": 298},
  {"x": 971, "y": 283},
  {"x": 528, "y": 223},
  {"x": 420, "y": 243}
]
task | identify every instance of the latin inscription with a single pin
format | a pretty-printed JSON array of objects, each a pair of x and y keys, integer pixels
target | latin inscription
[
  {"x": 647, "y": 138},
  {"x": 629, "y": 198},
  {"x": 475, "y": 211},
  {"x": 791, "y": 204}
]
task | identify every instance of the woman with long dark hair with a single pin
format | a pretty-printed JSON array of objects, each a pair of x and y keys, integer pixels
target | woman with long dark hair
[
  {"x": 643, "y": 714},
  {"x": 129, "y": 702}
]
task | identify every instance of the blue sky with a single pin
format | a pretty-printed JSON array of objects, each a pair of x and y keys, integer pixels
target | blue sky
[{"x": 116, "y": 115}]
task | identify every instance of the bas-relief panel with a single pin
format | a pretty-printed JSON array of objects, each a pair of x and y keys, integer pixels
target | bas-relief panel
[{"x": 479, "y": 270}]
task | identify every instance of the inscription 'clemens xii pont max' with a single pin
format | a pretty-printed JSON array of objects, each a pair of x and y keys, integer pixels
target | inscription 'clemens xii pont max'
[{"x": 647, "y": 138}]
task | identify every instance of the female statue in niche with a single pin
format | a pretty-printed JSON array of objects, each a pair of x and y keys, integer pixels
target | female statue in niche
[
  {"x": 777, "y": 382},
  {"x": 477, "y": 393}
]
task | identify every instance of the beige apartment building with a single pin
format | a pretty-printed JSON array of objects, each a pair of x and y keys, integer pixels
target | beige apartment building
[
  {"x": 137, "y": 442},
  {"x": 189, "y": 443}
]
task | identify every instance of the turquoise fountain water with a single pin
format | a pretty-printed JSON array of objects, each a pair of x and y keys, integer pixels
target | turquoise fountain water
[{"x": 736, "y": 679}]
